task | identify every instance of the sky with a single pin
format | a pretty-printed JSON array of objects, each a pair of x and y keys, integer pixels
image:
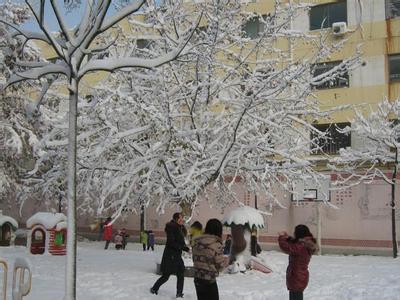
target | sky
[{"x": 71, "y": 17}]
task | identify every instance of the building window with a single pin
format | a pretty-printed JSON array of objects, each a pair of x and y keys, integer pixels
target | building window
[
  {"x": 333, "y": 140},
  {"x": 392, "y": 9},
  {"x": 142, "y": 43},
  {"x": 323, "y": 16},
  {"x": 253, "y": 27},
  {"x": 396, "y": 130},
  {"x": 394, "y": 67},
  {"x": 331, "y": 82}
]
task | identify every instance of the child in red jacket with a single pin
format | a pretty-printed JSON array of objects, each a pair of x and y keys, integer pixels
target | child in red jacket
[
  {"x": 107, "y": 232},
  {"x": 300, "y": 249}
]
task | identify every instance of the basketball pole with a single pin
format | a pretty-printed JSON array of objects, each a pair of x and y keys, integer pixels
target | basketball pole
[{"x": 319, "y": 227}]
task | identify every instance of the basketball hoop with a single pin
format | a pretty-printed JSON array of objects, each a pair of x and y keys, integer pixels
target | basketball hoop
[
  {"x": 306, "y": 190},
  {"x": 310, "y": 195}
]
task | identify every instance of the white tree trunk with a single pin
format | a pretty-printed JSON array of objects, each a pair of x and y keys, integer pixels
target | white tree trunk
[{"x": 70, "y": 269}]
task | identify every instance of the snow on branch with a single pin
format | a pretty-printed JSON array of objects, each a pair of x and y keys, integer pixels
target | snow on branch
[{"x": 37, "y": 73}]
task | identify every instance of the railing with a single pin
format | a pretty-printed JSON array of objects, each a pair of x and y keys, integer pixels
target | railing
[
  {"x": 20, "y": 287},
  {"x": 3, "y": 263}
]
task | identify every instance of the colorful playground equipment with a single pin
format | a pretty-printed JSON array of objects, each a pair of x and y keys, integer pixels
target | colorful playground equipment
[
  {"x": 7, "y": 226},
  {"x": 22, "y": 284},
  {"x": 47, "y": 233}
]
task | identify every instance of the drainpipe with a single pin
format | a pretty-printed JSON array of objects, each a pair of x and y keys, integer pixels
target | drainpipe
[{"x": 393, "y": 205}]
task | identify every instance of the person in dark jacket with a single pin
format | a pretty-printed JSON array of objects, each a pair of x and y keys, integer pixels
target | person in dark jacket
[
  {"x": 208, "y": 260},
  {"x": 150, "y": 240},
  {"x": 300, "y": 249},
  {"x": 172, "y": 262}
]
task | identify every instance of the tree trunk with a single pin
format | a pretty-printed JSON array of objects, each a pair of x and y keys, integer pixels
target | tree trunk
[
  {"x": 142, "y": 218},
  {"x": 59, "y": 203},
  {"x": 319, "y": 227},
  {"x": 70, "y": 269},
  {"x": 186, "y": 209},
  {"x": 393, "y": 206}
]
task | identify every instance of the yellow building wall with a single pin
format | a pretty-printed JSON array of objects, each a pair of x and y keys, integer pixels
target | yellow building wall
[{"x": 376, "y": 38}]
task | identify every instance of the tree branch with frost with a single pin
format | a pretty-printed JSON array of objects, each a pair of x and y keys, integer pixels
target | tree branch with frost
[
  {"x": 122, "y": 14},
  {"x": 111, "y": 64},
  {"x": 379, "y": 129},
  {"x": 60, "y": 21},
  {"x": 40, "y": 20},
  {"x": 37, "y": 73}
]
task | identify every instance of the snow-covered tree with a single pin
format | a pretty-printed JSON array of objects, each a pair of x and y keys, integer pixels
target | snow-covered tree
[
  {"x": 18, "y": 132},
  {"x": 230, "y": 107},
  {"x": 379, "y": 129},
  {"x": 74, "y": 48}
]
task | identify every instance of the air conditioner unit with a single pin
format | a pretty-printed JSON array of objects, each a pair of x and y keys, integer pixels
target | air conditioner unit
[{"x": 339, "y": 28}]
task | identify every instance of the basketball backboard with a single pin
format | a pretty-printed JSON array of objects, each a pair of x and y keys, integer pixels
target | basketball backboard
[{"x": 309, "y": 190}]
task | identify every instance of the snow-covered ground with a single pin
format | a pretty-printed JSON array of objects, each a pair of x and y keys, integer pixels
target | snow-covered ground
[{"x": 129, "y": 274}]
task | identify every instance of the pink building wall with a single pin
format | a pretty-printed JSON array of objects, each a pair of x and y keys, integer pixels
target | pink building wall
[{"x": 357, "y": 221}]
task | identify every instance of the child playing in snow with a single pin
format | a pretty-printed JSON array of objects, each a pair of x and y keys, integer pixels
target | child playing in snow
[
  {"x": 208, "y": 260},
  {"x": 124, "y": 238},
  {"x": 195, "y": 230},
  {"x": 118, "y": 240},
  {"x": 143, "y": 239},
  {"x": 300, "y": 249},
  {"x": 107, "y": 232},
  {"x": 150, "y": 240}
]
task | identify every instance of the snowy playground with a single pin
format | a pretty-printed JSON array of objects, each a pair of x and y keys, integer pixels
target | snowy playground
[{"x": 110, "y": 274}]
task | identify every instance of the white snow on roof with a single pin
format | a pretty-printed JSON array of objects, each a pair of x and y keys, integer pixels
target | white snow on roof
[
  {"x": 5, "y": 219},
  {"x": 48, "y": 220},
  {"x": 61, "y": 225},
  {"x": 244, "y": 215}
]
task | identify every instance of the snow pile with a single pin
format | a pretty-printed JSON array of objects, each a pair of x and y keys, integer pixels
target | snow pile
[
  {"x": 61, "y": 225},
  {"x": 128, "y": 275},
  {"x": 7, "y": 219},
  {"x": 48, "y": 220},
  {"x": 244, "y": 215}
]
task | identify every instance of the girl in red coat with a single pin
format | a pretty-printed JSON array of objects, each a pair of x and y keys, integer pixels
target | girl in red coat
[
  {"x": 300, "y": 248},
  {"x": 107, "y": 232}
]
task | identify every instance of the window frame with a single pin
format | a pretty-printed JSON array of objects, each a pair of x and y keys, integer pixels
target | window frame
[
  {"x": 396, "y": 57},
  {"x": 326, "y": 10},
  {"x": 259, "y": 26},
  {"x": 392, "y": 13},
  {"x": 341, "y": 81},
  {"x": 331, "y": 144}
]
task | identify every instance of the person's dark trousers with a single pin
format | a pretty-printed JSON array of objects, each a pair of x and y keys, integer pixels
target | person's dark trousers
[
  {"x": 164, "y": 278},
  {"x": 295, "y": 295},
  {"x": 144, "y": 247},
  {"x": 107, "y": 243},
  {"x": 206, "y": 290},
  {"x": 152, "y": 247}
]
